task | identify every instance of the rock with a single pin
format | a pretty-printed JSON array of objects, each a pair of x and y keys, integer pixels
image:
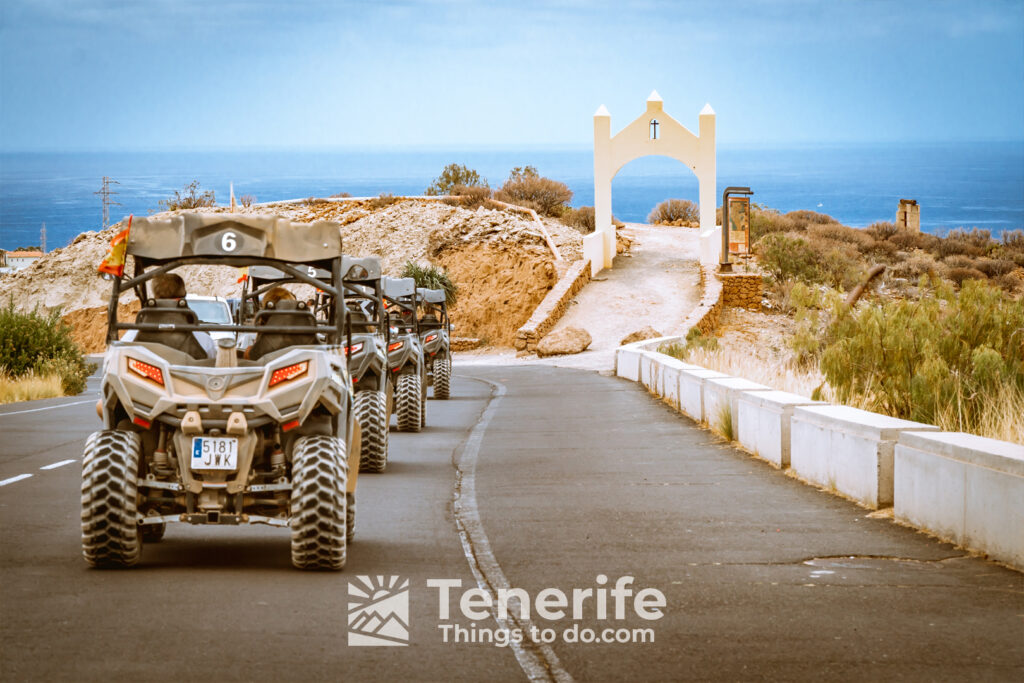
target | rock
[
  {"x": 565, "y": 341},
  {"x": 645, "y": 333}
]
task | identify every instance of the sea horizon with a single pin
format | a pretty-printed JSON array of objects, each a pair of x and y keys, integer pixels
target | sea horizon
[{"x": 958, "y": 184}]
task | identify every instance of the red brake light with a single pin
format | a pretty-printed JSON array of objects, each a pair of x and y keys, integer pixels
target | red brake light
[
  {"x": 395, "y": 345},
  {"x": 431, "y": 337},
  {"x": 287, "y": 373},
  {"x": 150, "y": 372},
  {"x": 355, "y": 348}
]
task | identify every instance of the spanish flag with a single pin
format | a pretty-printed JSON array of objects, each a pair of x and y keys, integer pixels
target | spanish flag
[
  {"x": 114, "y": 262},
  {"x": 244, "y": 274}
]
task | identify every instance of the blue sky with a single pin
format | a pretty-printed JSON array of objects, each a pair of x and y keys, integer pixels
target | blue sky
[{"x": 136, "y": 74}]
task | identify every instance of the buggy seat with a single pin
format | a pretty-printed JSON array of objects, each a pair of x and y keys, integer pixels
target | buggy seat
[
  {"x": 170, "y": 312},
  {"x": 283, "y": 313}
]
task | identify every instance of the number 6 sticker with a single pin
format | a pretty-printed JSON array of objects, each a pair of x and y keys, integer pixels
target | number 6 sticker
[{"x": 227, "y": 242}]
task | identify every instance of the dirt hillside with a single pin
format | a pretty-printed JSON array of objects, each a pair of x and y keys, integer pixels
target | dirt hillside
[{"x": 498, "y": 258}]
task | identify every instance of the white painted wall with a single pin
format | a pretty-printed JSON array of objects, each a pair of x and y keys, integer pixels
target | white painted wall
[
  {"x": 719, "y": 392},
  {"x": 691, "y": 391}
]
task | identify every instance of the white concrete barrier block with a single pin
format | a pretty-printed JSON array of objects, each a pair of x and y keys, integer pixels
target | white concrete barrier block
[
  {"x": 627, "y": 362},
  {"x": 722, "y": 392},
  {"x": 847, "y": 450},
  {"x": 763, "y": 423},
  {"x": 669, "y": 380},
  {"x": 963, "y": 487},
  {"x": 691, "y": 391},
  {"x": 650, "y": 370}
]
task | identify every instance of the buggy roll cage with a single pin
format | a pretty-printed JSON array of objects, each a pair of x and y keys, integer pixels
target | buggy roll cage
[
  {"x": 435, "y": 300},
  {"x": 402, "y": 293},
  {"x": 159, "y": 245},
  {"x": 361, "y": 279}
]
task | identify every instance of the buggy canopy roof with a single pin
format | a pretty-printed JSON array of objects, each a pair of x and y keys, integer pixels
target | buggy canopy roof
[
  {"x": 431, "y": 296},
  {"x": 223, "y": 234},
  {"x": 355, "y": 270},
  {"x": 395, "y": 288}
]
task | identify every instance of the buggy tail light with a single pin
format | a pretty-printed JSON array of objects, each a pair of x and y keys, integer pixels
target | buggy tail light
[
  {"x": 355, "y": 348},
  {"x": 394, "y": 346},
  {"x": 150, "y": 372},
  {"x": 431, "y": 337},
  {"x": 287, "y": 373}
]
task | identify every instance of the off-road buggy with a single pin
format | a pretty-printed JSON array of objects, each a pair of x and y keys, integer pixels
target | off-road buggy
[
  {"x": 405, "y": 354},
  {"x": 272, "y": 439},
  {"x": 435, "y": 330},
  {"x": 366, "y": 346}
]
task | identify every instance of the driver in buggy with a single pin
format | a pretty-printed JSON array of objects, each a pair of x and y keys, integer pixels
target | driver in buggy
[{"x": 171, "y": 286}]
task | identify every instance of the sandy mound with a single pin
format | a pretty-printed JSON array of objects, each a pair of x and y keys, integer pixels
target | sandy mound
[{"x": 498, "y": 258}]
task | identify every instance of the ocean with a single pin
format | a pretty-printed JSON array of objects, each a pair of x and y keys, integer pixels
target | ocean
[{"x": 957, "y": 185}]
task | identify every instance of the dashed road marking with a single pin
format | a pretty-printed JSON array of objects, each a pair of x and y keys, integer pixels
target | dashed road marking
[
  {"x": 36, "y": 410},
  {"x": 11, "y": 480},
  {"x": 56, "y": 465}
]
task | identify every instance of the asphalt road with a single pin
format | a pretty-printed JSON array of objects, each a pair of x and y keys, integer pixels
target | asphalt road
[{"x": 531, "y": 477}]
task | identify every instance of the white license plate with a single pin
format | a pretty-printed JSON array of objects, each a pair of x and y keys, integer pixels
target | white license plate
[{"x": 214, "y": 453}]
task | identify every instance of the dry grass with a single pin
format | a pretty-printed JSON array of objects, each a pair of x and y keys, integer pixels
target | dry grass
[
  {"x": 29, "y": 387},
  {"x": 784, "y": 376}
]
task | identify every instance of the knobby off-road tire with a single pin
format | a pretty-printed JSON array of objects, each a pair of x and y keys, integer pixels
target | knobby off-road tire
[
  {"x": 350, "y": 516},
  {"x": 442, "y": 378},
  {"x": 318, "y": 503},
  {"x": 110, "y": 531},
  {"x": 423, "y": 406},
  {"x": 408, "y": 397},
  {"x": 371, "y": 409}
]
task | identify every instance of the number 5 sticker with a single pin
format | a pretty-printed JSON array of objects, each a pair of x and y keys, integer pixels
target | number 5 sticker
[{"x": 229, "y": 241}]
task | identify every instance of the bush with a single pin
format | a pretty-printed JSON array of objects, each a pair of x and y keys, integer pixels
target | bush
[
  {"x": 341, "y": 195},
  {"x": 432, "y": 277},
  {"x": 190, "y": 197},
  {"x": 785, "y": 256},
  {"x": 247, "y": 200},
  {"x": 803, "y": 218},
  {"x": 695, "y": 340},
  {"x": 582, "y": 219},
  {"x": 525, "y": 187},
  {"x": 925, "y": 359},
  {"x": 453, "y": 175},
  {"x": 764, "y": 221},
  {"x": 40, "y": 344},
  {"x": 882, "y": 230},
  {"x": 384, "y": 200},
  {"x": 471, "y": 196},
  {"x": 679, "y": 212}
]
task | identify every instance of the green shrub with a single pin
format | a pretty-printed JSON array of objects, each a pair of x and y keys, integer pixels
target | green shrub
[
  {"x": 190, "y": 197},
  {"x": 432, "y": 277},
  {"x": 680, "y": 212},
  {"x": 784, "y": 256},
  {"x": 945, "y": 353},
  {"x": 41, "y": 344},
  {"x": 453, "y": 175},
  {"x": 695, "y": 339},
  {"x": 525, "y": 187}
]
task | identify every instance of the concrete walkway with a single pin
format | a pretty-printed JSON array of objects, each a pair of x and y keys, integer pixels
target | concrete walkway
[{"x": 657, "y": 285}]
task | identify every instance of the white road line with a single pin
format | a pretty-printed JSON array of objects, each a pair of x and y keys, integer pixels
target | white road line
[
  {"x": 537, "y": 660},
  {"x": 56, "y": 465},
  {"x": 5, "y": 482},
  {"x": 36, "y": 410}
]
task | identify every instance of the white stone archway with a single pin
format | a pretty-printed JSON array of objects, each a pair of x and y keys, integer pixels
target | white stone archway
[{"x": 653, "y": 133}]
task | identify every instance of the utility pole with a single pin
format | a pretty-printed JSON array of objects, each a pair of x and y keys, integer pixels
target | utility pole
[
  {"x": 105, "y": 193},
  {"x": 42, "y": 237}
]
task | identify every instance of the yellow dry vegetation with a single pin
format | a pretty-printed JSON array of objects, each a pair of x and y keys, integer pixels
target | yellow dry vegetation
[{"x": 29, "y": 387}]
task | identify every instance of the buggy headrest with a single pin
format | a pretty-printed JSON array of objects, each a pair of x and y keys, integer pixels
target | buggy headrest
[
  {"x": 287, "y": 305},
  {"x": 166, "y": 303}
]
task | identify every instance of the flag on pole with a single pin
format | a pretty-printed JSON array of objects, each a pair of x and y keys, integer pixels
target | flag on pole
[
  {"x": 114, "y": 262},
  {"x": 244, "y": 274}
]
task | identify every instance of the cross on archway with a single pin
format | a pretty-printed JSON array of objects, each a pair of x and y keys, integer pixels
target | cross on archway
[{"x": 654, "y": 129}]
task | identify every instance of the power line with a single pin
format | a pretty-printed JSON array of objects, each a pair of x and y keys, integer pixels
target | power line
[{"x": 105, "y": 193}]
